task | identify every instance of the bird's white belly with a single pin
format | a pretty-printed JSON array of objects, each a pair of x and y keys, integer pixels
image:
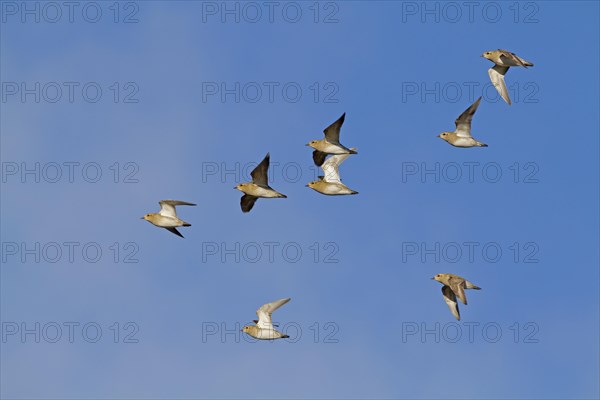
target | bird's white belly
[
  {"x": 262, "y": 192},
  {"x": 335, "y": 189},
  {"x": 464, "y": 142},
  {"x": 167, "y": 222},
  {"x": 333, "y": 149},
  {"x": 267, "y": 334}
]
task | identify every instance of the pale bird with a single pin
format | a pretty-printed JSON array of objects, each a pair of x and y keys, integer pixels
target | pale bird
[
  {"x": 259, "y": 187},
  {"x": 167, "y": 216},
  {"x": 331, "y": 144},
  {"x": 454, "y": 286},
  {"x": 330, "y": 183},
  {"x": 264, "y": 329},
  {"x": 461, "y": 137},
  {"x": 503, "y": 59}
]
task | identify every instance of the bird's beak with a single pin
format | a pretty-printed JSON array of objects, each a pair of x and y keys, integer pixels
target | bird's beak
[
  {"x": 307, "y": 144},
  {"x": 142, "y": 218},
  {"x": 440, "y": 136},
  {"x": 433, "y": 279},
  {"x": 306, "y": 185}
]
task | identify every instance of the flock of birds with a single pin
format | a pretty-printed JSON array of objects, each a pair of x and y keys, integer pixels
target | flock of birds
[{"x": 330, "y": 184}]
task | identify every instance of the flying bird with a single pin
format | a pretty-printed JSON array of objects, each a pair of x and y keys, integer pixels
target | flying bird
[
  {"x": 264, "y": 329},
  {"x": 167, "y": 216},
  {"x": 259, "y": 187},
  {"x": 454, "y": 286},
  {"x": 504, "y": 60},
  {"x": 330, "y": 183},
  {"x": 461, "y": 137},
  {"x": 331, "y": 144}
]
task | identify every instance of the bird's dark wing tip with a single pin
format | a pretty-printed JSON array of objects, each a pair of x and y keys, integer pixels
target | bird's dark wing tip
[{"x": 175, "y": 231}]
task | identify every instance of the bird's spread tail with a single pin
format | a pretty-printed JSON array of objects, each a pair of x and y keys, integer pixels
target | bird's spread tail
[
  {"x": 285, "y": 336},
  {"x": 471, "y": 286},
  {"x": 353, "y": 151},
  {"x": 186, "y": 224},
  {"x": 283, "y": 196},
  {"x": 354, "y": 192},
  {"x": 481, "y": 144}
]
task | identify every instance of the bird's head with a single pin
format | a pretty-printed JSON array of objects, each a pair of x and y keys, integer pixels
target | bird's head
[
  {"x": 444, "y": 136},
  {"x": 440, "y": 278},
  {"x": 247, "y": 329},
  {"x": 147, "y": 217},
  {"x": 312, "y": 143},
  {"x": 241, "y": 186},
  {"x": 487, "y": 54}
]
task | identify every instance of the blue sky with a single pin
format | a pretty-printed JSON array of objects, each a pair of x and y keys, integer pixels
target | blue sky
[{"x": 394, "y": 69}]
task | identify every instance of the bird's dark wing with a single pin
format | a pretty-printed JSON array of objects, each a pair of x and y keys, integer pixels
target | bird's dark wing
[
  {"x": 463, "y": 122},
  {"x": 332, "y": 132},
  {"x": 259, "y": 174},
  {"x": 319, "y": 157},
  {"x": 247, "y": 202}
]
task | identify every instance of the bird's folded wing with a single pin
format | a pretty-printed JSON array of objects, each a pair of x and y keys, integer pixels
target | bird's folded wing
[
  {"x": 509, "y": 58},
  {"x": 458, "y": 287}
]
